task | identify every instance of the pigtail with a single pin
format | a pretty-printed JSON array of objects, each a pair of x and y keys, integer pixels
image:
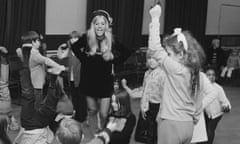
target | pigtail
[
  {"x": 194, "y": 59},
  {"x": 195, "y": 83}
]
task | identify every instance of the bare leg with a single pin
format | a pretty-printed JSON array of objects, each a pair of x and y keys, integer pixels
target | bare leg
[
  {"x": 104, "y": 109},
  {"x": 92, "y": 112}
]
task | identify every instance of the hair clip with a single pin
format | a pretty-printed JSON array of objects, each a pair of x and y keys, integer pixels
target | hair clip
[{"x": 181, "y": 37}]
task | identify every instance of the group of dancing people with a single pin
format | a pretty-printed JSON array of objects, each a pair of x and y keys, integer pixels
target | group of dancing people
[{"x": 79, "y": 87}]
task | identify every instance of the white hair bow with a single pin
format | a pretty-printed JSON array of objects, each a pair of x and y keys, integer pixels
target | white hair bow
[{"x": 181, "y": 37}]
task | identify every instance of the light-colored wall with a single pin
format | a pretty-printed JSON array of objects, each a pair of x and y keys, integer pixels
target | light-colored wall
[
  {"x": 64, "y": 16},
  {"x": 223, "y": 17}
]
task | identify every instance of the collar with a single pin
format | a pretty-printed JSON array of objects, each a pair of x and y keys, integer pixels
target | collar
[{"x": 27, "y": 45}]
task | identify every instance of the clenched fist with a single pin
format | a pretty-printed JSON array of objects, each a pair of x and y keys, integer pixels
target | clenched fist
[{"x": 155, "y": 12}]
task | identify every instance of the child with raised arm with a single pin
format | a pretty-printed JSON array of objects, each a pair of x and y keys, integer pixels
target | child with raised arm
[
  {"x": 181, "y": 57},
  {"x": 151, "y": 95}
]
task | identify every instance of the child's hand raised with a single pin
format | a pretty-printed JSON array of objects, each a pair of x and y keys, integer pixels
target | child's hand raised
[
  {"x": 124, "y": 83},
  {"x": 3, "y": 50},
  {"x": 155, "y": 12}
]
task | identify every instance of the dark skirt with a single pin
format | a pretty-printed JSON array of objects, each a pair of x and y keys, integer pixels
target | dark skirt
[{"x": 96, "y": 78}]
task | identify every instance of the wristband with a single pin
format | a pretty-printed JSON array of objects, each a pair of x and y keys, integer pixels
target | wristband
[
  {"x": 102, "y": 139},
  {"x": 105, "y": 134}
]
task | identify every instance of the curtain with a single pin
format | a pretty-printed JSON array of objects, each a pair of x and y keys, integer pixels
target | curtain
[
  {"x": 127, "y": 18},
  {"x": 3, "y": 20},
  {"x": 187, "y": 14},
  {"x": 22, "y": 16}
]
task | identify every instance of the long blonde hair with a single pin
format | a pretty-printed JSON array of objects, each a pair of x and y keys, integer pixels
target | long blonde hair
[{"x": 106, "y": 43}]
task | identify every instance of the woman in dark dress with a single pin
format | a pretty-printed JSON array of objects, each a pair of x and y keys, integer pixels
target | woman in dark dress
[{"x": 98, "y": 51}]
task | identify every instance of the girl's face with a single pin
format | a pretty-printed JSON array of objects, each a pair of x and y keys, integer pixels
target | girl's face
[
  {"x": 211, "y": 75},
  {"x": 152, "y": 63},
  {"x": 116, "y": 86},
  {"x": 173, "y": 55},
  {"x": 100, "y": 26}
]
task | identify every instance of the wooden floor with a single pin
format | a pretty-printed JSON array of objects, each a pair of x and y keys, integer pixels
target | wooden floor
[{"x": 228, "y": 130}]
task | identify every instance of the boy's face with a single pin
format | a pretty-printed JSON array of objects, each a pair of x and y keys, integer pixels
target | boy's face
[
  {"x": 36, "y": 43},
  {"x": 211, "y": 75}
]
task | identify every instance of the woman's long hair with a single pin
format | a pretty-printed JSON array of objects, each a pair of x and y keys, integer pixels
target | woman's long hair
[
  {"x": 193, "y": 57},
  {"x": 3, "y": 129},
  {"x": 107, "y": 41}
]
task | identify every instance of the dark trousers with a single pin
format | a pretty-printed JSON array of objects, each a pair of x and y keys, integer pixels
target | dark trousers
[
  {"x": 152, "y": 114},
  {"x": 79, "y": 104},
  {"x": 124, "y": 136},
  {"x": 38, "y": 96},
  {"x": 146, "y": 130},
  {"x": 31, "y": 117},
  {"x": 211, "y": 125}
]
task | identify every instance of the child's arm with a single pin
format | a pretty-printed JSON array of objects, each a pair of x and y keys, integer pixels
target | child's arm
[
  {"x": 208, "y": 91},
  {"x": 154, "y": 41},
  {"x": 37, "y": 57},
  {"x": 4, "y": 65},
  {"x": 135, "y": 93},
  {"x": 154, "y": 44},
  {"x": 223, "y": 98}
]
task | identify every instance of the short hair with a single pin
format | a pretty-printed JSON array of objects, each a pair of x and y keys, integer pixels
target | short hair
[
  {"x": 74, "y": 34},
  {"x": 29, "y": 36},
  {"x": 216, "y": 40},
  {"x": 69, "y": 132}
]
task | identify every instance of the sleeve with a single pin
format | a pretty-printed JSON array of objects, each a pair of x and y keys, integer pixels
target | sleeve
[
  {"x": 79, "y": 46},
  {"x": 4, "y": 70},
  {"x": 4, "y": 74},
  {"x": 120, "y": 52},
  {"x": 222, "y": 97},
  {"x": 96, "y": 140},
  {"x": 136, "y": 93},
  {"x": 208, "y": 91},
  {"x": 154, "y": 44},
  {"x": 38, "y": 58}
]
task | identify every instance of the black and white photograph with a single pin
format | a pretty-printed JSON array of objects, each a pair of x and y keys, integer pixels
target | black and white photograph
[{"x": 119, "y": 71}]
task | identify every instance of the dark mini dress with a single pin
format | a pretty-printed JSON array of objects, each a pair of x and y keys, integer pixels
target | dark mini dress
[{"x": 96, "y": 73}]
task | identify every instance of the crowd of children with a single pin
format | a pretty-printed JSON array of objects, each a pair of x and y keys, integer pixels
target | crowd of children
[{"x": 174, "y": 94}]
